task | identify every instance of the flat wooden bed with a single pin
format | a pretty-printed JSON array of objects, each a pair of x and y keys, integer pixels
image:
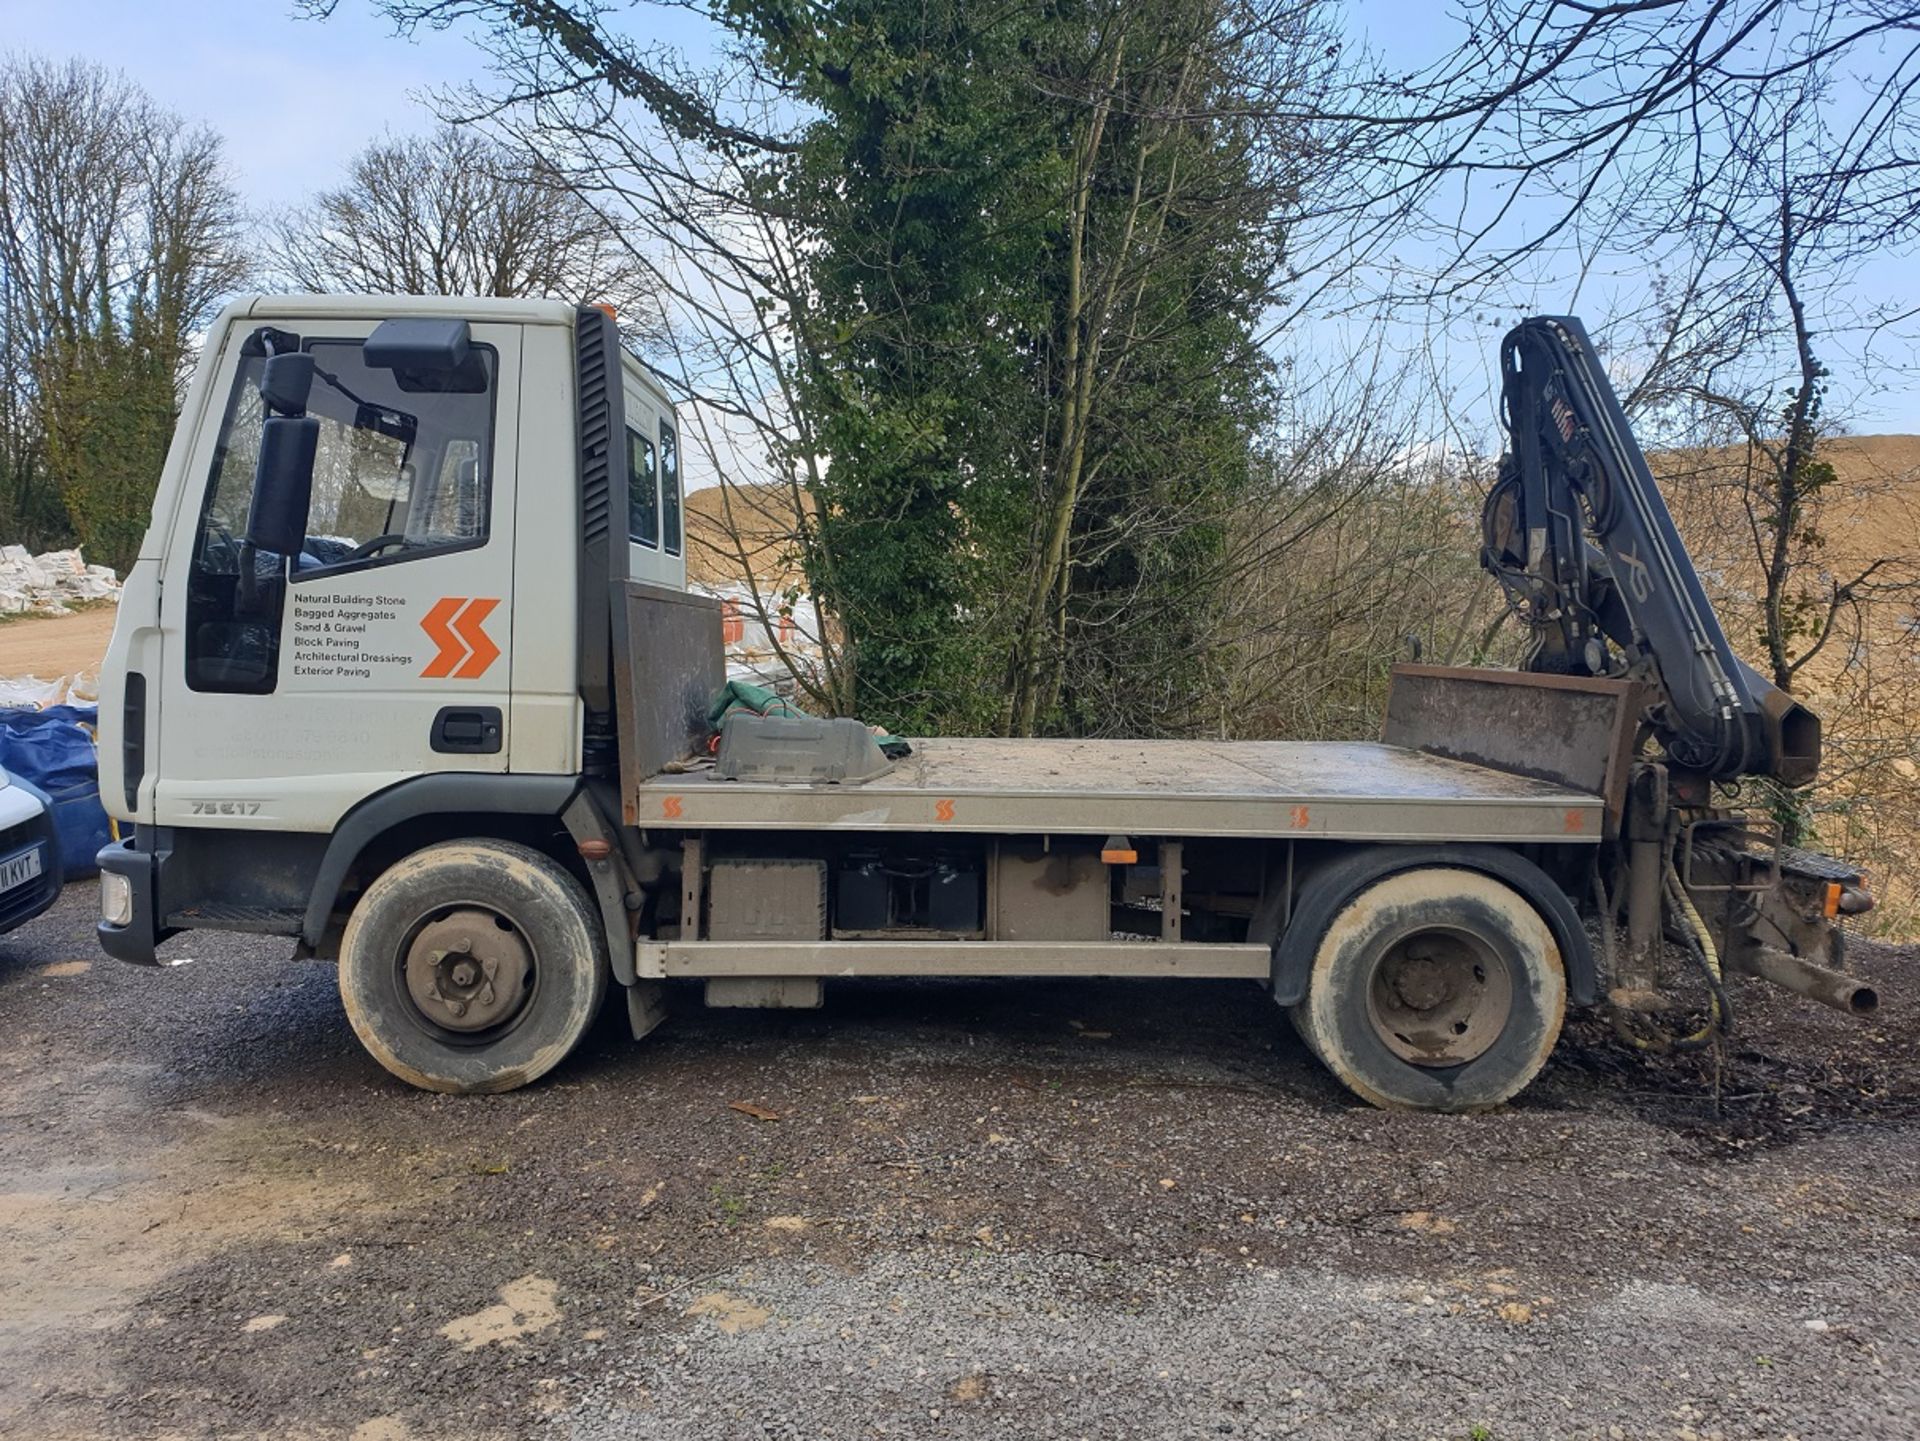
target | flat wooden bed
[{"x": 1334, "y": 789}]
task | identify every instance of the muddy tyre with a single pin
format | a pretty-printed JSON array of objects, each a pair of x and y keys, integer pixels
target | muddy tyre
[
  {"x": 472, "y": 966},
  {"x": 1435, "y": 989}
]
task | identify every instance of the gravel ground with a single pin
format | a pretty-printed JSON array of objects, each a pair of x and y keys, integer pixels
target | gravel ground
[
  {"x": 49, "y": 646},
  {"x": 1037, "y": 1209}
]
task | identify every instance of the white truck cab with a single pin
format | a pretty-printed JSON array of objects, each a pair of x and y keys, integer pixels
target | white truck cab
[
  {"x": 399, "y": 640},
  {"x": 425, "y": 624}
]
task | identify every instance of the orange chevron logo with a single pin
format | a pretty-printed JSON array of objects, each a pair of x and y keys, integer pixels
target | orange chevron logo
[{"x": 455, "y": 624}]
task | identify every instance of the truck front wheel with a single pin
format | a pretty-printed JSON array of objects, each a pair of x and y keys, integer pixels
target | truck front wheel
[
  {"x": 1435, "y": 989},
  {"x": 472, "y": 966}
]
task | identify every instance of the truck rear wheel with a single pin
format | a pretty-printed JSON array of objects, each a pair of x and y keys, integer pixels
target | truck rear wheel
[
  {"x": 472, "y": 966},
  {"x": 1435, "y": 989}
]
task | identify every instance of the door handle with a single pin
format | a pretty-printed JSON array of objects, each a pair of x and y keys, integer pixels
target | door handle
[{"x": 468, "y": 730}]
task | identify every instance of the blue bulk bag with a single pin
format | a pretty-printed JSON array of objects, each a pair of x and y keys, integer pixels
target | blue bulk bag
[{"x": 54, "y": 749}]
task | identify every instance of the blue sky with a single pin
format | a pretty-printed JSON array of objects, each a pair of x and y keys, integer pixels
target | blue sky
[{"x": 295, "y": 99}]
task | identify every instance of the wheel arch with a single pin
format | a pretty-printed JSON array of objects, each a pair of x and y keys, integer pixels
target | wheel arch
[
  {"x": 427, "y": 809},
  {"x": 1326, "y": 891}
]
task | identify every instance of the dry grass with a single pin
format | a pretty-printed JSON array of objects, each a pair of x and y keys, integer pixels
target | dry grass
[{"x": 1865, "y": 683}]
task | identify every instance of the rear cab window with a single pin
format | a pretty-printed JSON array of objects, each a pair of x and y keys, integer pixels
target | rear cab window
[
  {"x": 670, "y": 488},
  {"x": 643, "y": 491}
]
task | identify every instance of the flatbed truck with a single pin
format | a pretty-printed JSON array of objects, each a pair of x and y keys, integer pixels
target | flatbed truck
[{"x": 407, "y": 671}]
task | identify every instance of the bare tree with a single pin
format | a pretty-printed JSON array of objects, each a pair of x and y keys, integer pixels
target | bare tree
[
  {"x": 1737, "y": 366},
  {"x": 120, "y": 234},
  {"x": 1556, "y": 127},
  {"x": 452, "y": 213}
]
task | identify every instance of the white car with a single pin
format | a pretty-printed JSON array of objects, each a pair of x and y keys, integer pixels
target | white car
[{"x": 29, "y": 852}]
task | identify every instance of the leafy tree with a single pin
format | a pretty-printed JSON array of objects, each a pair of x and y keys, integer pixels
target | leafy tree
[
  {"x": 924, "y": 183},
  {"x": 1046, "y": 236}
]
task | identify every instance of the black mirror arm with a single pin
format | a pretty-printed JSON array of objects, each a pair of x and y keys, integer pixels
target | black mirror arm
[
  {"x": 335, "y": 382},
  {"x": 247, "y": 584}
]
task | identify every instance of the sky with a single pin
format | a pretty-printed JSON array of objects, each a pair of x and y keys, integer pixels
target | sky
[{"x": 296, "y": 99}]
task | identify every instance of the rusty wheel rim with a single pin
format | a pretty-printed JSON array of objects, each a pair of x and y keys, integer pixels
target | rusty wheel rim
[
  {"x": 469, "y": 971},
  {"x": 1439, "y": 998}
]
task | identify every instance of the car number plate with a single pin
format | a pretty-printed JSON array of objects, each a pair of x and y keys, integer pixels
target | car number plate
[{"x": 18, "y": 870}]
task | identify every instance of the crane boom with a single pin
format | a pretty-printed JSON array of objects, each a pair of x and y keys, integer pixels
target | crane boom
[{"x": 1578, "y": 535}]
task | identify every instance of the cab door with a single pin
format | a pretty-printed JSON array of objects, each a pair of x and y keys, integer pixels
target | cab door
[{"x": 295, "y": 686}]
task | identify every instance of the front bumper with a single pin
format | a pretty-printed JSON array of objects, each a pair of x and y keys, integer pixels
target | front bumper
[{"x": 139, "y": 939}]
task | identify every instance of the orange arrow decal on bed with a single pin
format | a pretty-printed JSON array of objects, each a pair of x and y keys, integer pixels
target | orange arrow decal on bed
[{"x": 455, "y": 625}]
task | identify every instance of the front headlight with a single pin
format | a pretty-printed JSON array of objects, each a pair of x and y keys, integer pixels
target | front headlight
[{"x": 116, "y": 899}]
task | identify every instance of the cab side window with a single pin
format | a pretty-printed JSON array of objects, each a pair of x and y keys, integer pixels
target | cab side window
[
  {"x": 233, "y": 622},
  {"x": 403, "y": 469},
  {"x": 643, "y": 491}
]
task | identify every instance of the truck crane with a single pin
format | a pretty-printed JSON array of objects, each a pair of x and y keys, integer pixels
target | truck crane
[
  {"x": 1577, "y": 534},
  {"x": 408, "y": 673}
]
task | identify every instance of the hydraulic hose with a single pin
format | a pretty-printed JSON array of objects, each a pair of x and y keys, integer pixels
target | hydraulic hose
[
  {"x": 1701, "y": 950},
  {"x": 1707, "y": 956}
]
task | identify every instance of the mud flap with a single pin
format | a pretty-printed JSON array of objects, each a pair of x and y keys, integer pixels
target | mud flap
[{"x": 646, "y": 1007}]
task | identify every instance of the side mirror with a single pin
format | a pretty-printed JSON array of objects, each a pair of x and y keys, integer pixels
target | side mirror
[
  {"x": 283, "y": 481},
  {"x": 286, "y": 381}
]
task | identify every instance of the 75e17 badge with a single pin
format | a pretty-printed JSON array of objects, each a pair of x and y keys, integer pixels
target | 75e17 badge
[{"x": 224, "y": 808}]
